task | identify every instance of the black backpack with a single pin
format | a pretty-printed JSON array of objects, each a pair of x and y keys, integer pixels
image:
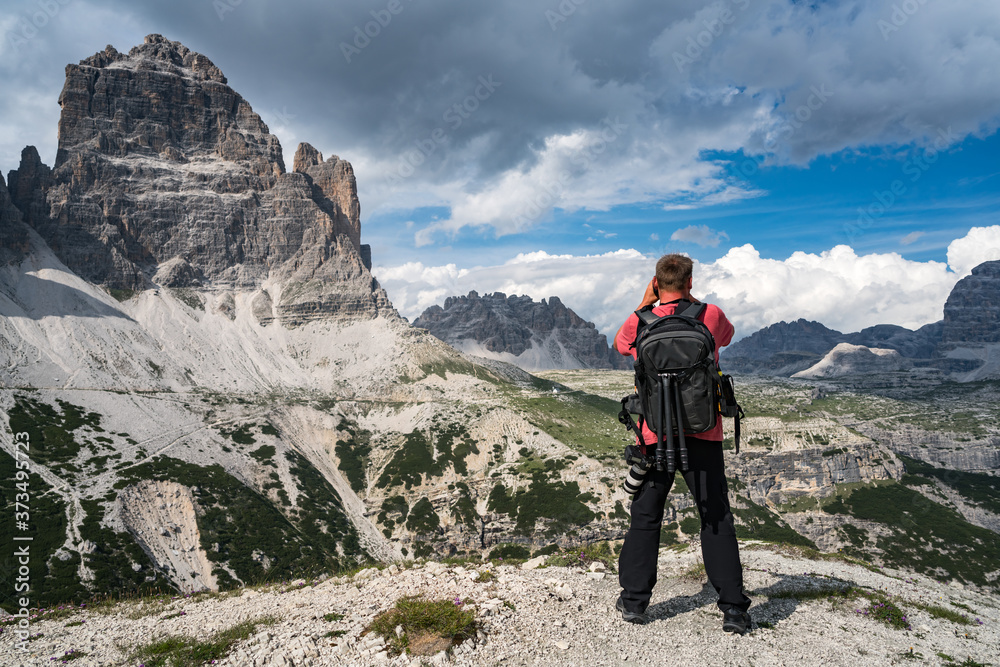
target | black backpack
[{"x": 679, "y": 388}]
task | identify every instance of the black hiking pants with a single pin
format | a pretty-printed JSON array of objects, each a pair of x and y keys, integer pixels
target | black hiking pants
[{"x": 707, "y": 480}]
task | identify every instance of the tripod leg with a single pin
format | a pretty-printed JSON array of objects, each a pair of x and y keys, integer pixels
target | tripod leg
[
  {"x": 660, "y": 458},
  {"x": 665, "y": 386},
  {"x": 679, "y": 412}
]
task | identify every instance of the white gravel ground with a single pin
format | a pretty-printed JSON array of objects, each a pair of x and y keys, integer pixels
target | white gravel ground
[{"x": 555, "y": 615}]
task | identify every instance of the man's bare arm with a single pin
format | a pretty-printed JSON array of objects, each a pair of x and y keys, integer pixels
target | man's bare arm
[{"x": 648, "y": 299}]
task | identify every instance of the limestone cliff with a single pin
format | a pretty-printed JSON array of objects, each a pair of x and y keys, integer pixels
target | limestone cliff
[
  {"x": 972, "y": 311},
  {"x": 13, "y": 234},
  {"x": 847, "y": 359},
  {"x": 165, "y": 173},
  {"x": 516, "y": 329}
]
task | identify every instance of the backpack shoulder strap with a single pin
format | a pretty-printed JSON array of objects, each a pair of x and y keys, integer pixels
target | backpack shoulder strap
[
  {"x": 686, "y": 308},
  {"x": 646, "y": 316}
]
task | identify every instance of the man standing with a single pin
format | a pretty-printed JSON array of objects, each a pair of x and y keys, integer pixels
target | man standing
[{"x": 705, "y": 477}]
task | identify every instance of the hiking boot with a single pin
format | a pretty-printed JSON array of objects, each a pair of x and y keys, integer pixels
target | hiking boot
[
  {"x": 736, "y": 621},
  {"x": 639, "y": 617}
]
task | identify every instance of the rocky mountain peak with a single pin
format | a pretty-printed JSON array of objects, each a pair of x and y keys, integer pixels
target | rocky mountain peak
[
  {"x": 158, "y": 52},
  {"x": 306, "y": 156},
  {"x": 335, "y": 189},
  {"x": 533, "y": 335},
  {"x": 972, "y": 311},
  {"x": 166, "y": 176},
  {"x": 161, "y": 99}
]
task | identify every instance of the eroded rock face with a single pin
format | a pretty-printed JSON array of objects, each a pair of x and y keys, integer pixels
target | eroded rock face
[
  {"x": 972, "y": 311},
  {"x": 162, "y": 517},
  {"x": 776, "y": 478},
  {"x": 847, "y": 359},
  {"x": 160, "y": 162},
  {"x": 535, "y": 336},
  {"x": 177, "y": 272},
  {"x": 781, "y": 347},
  {"x": 787, "y": 348},
  {"x": 919, "y": 344},
  {"x": 334, "y": 189},
  {"x": 13, "y": 233}
]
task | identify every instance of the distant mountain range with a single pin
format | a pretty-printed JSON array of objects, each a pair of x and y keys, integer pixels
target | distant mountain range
[
  {"x": 966, "y": 342},
  {"x": 533, "y": 335}
]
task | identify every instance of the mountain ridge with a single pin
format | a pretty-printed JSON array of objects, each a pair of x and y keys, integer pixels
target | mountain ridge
[
  {"x": 965, "y": 343},
  {"x": 534, "y": 335}
]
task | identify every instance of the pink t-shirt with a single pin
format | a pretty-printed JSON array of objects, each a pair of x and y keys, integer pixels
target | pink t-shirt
[{"x": 721, "y": 328}]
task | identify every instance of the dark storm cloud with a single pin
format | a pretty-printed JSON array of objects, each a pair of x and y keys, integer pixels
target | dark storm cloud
[{"x": 534, "y": 81}]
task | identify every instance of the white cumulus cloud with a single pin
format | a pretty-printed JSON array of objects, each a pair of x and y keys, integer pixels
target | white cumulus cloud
[
  {"x": 981, "y": 244},
  {"x": 837, "y": 287},
  {"x": 702, "y": 235}
]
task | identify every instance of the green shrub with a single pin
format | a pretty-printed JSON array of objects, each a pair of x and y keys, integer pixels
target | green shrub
[
  {"x": 423, "y": 519},
  {"x": 559, "y": 504},
  {"x": 690, "y": 525},
  {"x": 464, "y": 509},
  {"x": 759, "y": 523},
  {"x": 668, "y": 534},
  {"x": 189, "y": 298},
  {"x": 113, "y": 556},
  {"x": 264, "y": 454},
  {"x": 978, "y": 488},
  {"x": 428, "y": 626},
  {"x": 885, "y": 610},
  {"x": 546, "y": 550},
  {"x": 354, "y": 454},
  {"x": 236, "y": 521},
  {"x": 53, "y": 580},
  {"x": 924, "y": 536},
  {"x": 52, "y": 435},
  {"x": 393, "y": 504},
  {"x": 190, "y": 652},
  {"x": 240, "y": 435},
  {"x": 510, "y": 551},
  {"x": 416, "y": 457},
  {"x": 584, "y": 556}
]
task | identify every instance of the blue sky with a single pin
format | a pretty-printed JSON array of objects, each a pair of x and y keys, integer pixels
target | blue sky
[
  {"x": 809, "y": 208},
  {"x": 556, "y": 148}
]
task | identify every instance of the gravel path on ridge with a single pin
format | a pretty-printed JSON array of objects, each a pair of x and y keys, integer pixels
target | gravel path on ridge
[{"x": 555, "y": 616}]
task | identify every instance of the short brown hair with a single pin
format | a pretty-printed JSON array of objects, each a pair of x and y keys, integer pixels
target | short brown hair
[{"x": 673, "y": 272}]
